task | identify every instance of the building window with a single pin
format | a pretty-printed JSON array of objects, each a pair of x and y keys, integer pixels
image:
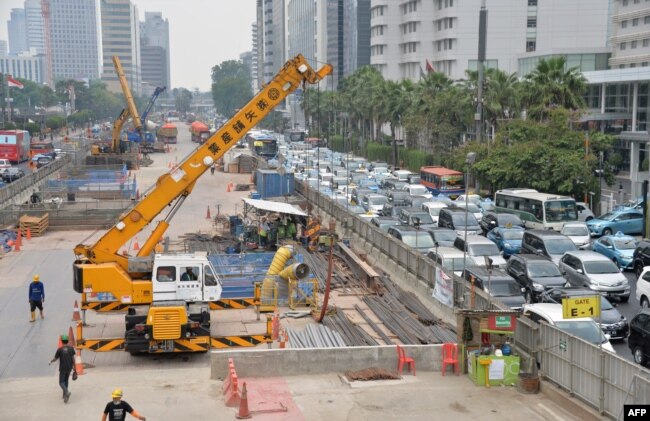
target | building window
[
  {"x": 530, "y": 45},
  {"x": 622, "y": 46},
  {"x": 633, "y": 44},
  {"x": 625, "y": 3},
  {"x": 646, "y": 42},
  {"x": 635, "y": 22},
  {"x": 532, "y": 2},
  {"x": 644, "y": 63},
  {"x": 624, "y": 24},
  {"x": 451, "y": 22},
  {"x": 646, "y": 19},
  {"x": 532, "y": 23},
  {"x": 440, "y": 25}
]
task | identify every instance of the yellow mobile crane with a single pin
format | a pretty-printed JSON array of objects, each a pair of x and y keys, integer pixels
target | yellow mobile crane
[
  {"x": 163, "y": 315},
  {"x": 130, "y": 111}
]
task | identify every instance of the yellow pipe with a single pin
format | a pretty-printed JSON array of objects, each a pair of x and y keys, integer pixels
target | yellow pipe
[
  {"x": 280, "y": 259},
  {"x": 283, "y": 254},
  {"x": 153, "y": 239},
  {"x": 295, "y": 271}
]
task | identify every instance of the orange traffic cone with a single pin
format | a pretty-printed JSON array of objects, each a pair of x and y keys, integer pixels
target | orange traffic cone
[
  {"x": 244, "y": 413},
  {"x": 208, "y": 216},
  {"x": 78, "y": 365},
  {"x": 76, "y": 316},
  {"x": 29, "y": 234},
  {"x": 71, "y": 340},
  {"x": 228, "y": 188},
  {"x": 18, "y": 241},
  {"x": 136, "y": 246}
]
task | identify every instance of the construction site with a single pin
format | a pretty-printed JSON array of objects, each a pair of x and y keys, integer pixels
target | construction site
[{"x": 320, "y": 325}]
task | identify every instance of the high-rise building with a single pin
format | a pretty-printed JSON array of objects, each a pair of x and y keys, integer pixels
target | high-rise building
[
  {"x": 121, "y": 37},
  {"x": 153, "y": 70},
  {"x": 268, "y": 37},
  {"x": 34, "y": 22},
  {"x": 405, "y": 35},
  {"x": 4, "y": 50},
  {"x": 259, "y": 42},
  {"x": 74, "y": 38},
  {"x": 17, "y": 29},
  {"x": 630, "y": 36},
  {"x": 254, "y": 59},
  {"x": 154, "y": 32},
  {"x": 247, "y": 59},
  {"x": 356, "y": 35}
]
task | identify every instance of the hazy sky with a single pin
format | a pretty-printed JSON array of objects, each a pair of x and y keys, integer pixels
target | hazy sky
[{"x": 202, "y": 33}]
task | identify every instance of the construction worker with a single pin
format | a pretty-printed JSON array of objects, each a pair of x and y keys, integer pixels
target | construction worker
[
  {"x": 117, "y": 408},
  {"x": 65, "y": 354},
  {"x": 263, "y": 232},
  {"x": 36, "y": 297}
]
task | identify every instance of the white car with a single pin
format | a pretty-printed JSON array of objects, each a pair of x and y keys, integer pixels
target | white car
[
  {"x": 579, "y": 233},
  {"x": 584, "y": 213},
  {"x": 583, "y": 327},
  {"x": 643, "y": 288},
  {"x": 434, "y": 209},
  {"x": 418, "y": 190},
  {"x": 472, "y": 198}
]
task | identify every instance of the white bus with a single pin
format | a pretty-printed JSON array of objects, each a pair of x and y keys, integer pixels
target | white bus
[{"x": 537, "y": 210}]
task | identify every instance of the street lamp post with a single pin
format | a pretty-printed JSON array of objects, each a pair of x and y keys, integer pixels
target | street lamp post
[{"x": 469, "y": 161}]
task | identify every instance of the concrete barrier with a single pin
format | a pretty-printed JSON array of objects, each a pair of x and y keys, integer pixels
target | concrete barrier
[{"x": 293, "y": 362}]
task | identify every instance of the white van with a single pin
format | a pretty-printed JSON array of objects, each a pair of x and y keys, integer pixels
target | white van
[
  {"x": 4, "y": 163},
  {"x": 434, "y": 209},
  {"x": 402, "y": 175}
]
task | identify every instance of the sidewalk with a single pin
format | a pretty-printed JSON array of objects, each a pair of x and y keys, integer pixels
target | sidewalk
[{"x": 182, "y": 393}]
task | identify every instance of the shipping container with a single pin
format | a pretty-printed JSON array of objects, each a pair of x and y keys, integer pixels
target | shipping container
[{"x": 270, "y": 183}]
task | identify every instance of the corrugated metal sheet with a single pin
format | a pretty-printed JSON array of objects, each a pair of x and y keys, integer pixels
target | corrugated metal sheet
[
  {"x": 270, "y": 183},
  {"x": 278, "y": 207}
]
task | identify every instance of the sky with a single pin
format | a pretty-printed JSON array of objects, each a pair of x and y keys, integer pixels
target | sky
[{"x": 202, "y": 34}]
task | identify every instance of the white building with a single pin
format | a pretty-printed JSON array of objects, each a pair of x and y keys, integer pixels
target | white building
[
  {"x": 121, "y": 37},
  {"x": 26, "y": 65},
  {"x": 17, "y": 31},
  {"x": 34, "y": 22},
  {"x": 405, "y": 34},
  {"x": 630, "y": 34}
]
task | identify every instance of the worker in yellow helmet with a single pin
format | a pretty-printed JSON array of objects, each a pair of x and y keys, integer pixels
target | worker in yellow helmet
[
  {"x": 117, "y": 409},
  {"x": 36, "y": 297}
]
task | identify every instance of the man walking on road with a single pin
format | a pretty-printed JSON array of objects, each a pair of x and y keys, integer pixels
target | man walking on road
[
  {"x": 117, "y": 408},
  {"x": 65, "y": 354},
  {"x": 36, "y": 297}
]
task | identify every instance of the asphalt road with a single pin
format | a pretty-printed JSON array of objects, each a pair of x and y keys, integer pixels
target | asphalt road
[{"x": 629, "y": 310}]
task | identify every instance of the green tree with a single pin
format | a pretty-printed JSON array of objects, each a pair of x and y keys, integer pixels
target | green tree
[
  {"x": 182, "y": 99},
  {"x": 552, "y": 85},
  {"x": 231, "y": 87}
]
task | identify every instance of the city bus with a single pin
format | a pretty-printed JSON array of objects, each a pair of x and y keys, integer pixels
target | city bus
[
  {"x": 42, "y": 147},
  {"x": 14, "y": 145},
  {"x": 441, "y": 180},
  {"x": 294, "y": 135},
  {"x": 262, "y": 144},
  {"x": 537, "y": 210}
]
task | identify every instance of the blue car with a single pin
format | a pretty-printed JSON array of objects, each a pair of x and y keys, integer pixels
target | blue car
[
  {"x": 627, "y": 221},
  {"x": 507, "y": 239},
  {"x": 619, "y": 248}
]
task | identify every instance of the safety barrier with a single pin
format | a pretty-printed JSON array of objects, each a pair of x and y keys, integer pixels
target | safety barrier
[
  {"x": 303, "y": 293},
  {"x": 409, "y": 259},
  {"x": 602, "y": 379}
]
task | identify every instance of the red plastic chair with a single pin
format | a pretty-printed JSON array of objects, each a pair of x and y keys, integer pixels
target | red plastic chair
[
  {"x": 403, "y": 359},
  {"x": 450, "y": 356}
]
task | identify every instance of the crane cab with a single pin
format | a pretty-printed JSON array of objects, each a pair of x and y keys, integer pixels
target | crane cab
[{"x": 184, "y": 277}]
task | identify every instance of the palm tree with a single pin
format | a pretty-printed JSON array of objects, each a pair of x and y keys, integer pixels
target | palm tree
[
  {"x": 552, "y": 85},
  {"x": 501, "y": 98}
]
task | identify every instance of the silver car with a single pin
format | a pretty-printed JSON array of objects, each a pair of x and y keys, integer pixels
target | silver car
[
  {"x": 595, "y": 271},
  {"x": 578, "y": 233}
]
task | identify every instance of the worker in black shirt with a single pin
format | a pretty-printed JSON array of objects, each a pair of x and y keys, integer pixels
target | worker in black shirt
[
  {"x": 65, "y": 354},
  {"x": 117, "y": 408}
]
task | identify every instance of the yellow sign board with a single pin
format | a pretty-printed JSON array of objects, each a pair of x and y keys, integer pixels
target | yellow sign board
[{"x": 575, "y": 307}]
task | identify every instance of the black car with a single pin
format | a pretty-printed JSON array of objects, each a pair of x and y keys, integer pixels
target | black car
[
  {"x": 537, "y": 274},
  {"x": 498, "y": 284},
  {"x": 611, "y": 321},
  {"x": 12, "y": 174},
  {"x": 492, "y": 220},
  {"x": 639, "y": 339},
  {"x": 641, "y": 257},
  {"x": 443, "y": 236}
]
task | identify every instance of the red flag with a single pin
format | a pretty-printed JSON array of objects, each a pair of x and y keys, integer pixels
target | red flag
[
  {"x": 430, "y": 68},
  {"x": 13, "y": 83}
]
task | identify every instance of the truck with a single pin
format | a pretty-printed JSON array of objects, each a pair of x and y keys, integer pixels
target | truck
[
  {"x": 167, "y": 133},
  {"x": 200, "y": 132},
  {"x": 167, "y": 310}
]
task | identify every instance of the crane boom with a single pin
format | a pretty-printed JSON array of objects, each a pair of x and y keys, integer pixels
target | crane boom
[
  {"x": 143, "y": 117},
  {"x": 131, "y": 110},
  {"x": 179, "y": 182}
]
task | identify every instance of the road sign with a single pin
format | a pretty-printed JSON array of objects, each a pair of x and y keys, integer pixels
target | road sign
[{"x": 587, "y": 306}]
